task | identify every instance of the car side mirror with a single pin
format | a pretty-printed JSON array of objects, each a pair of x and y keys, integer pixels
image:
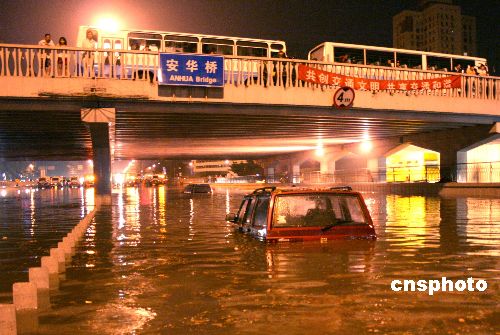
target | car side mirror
[{"x": 231, "y": 217}]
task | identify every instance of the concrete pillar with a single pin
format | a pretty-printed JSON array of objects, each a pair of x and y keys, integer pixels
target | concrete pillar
[
  {"x": 270, "y": 173},
  {"x": 102, "y": 158},
  {"x": 99, "y": 120},
  {"x": 296, "y": 173}
]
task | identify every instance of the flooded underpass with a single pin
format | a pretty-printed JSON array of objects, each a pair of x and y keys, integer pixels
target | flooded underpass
[{"x": 161, "y": 262}]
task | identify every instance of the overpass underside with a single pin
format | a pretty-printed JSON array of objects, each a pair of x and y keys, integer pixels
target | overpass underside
[{"x": 51, "y": 128}]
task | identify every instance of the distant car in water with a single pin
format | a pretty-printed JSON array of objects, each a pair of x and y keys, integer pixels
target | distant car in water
[
  {"x": 56, "y": 182},
  {"x": 154, "y": 180},
  {"x": 74, "y": 182},
  {"x": 88, "y": 181},
  {"x": 198, "y": 188},
  {"x": 43, "y": 182},
  {"x": 295, "y": 214}
]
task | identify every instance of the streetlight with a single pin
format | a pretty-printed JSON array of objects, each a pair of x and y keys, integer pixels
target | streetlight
[{"x": 366, "y": 146}]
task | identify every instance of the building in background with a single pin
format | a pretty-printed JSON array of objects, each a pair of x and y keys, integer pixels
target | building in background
[
  {"x": 213, "y": 167},
  {"x": 436, "y": 26}
]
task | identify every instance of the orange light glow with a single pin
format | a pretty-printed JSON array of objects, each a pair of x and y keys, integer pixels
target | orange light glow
[{"x": 108, "y": 23}]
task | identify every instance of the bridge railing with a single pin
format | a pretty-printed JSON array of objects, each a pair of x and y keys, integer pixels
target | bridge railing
[
  {"x": 284, "y": 73},
  {"x": 55, "y": 62}
]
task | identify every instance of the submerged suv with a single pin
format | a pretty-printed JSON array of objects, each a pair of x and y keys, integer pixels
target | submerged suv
[
  {"x": 198, "y": 188},
  {"x": 296, "y": 214}
]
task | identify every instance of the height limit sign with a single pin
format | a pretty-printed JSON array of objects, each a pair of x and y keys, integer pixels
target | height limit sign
[{"x": 343, "y": 98}]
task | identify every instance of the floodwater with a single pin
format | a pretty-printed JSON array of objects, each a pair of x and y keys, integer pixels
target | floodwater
[{"x": 160, "y": 262}]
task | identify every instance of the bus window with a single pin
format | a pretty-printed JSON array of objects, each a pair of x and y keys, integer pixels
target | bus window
[
  {"x": 144, "y": 41},
  {"x": 464, "y": 62},
  {"x": 106, "y": 44},
  {"x": 251, "y": 49},
  {"x": 187, "y": 44},
  {"x": 379, "y": 58},
  {"x": 409, "y": 61},
  {"x": 348, "y": 55},
  {"x": 438, "y": 63},
  {"x": 217, "y": 46},
  {"x": 275, "y": 48},
  {"x": 317, "y": 54}
]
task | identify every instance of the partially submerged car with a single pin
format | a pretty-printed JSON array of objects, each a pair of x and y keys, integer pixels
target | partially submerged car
[
  {"x": 57, "y": 182},
  {"x": 198, "y": 188},
  {"x": 74, "y": 182},
  {"x": 296, "y": 214},
  {"x": 43, "y": 182}
]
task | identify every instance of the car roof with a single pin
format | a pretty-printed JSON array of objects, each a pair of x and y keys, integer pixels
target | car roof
[{"x": 300, "y": 190}]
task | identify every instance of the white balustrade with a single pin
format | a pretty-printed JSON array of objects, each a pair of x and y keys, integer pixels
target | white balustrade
[{"x": 54, "y": 62}]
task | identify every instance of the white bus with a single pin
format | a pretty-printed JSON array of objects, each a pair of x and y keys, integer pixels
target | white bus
[
  {"x": 163, "y": 41},
  {"x": 151, "y": 42},
  {"x": 390, "y": 57}
]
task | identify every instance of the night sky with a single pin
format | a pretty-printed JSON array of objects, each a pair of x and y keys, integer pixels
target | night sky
[{"x": 302, "y": 24}]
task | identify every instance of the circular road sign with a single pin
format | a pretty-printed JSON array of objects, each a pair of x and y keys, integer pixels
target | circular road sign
[{"x": 343, "y": 97}]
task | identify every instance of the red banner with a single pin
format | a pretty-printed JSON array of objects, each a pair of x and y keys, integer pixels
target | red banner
[{"x": 320, "y": 77}]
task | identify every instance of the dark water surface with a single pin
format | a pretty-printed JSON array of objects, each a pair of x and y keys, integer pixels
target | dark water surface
[
  {"x": 160, "y": 262},
  {"x": 31, "y": 222}
]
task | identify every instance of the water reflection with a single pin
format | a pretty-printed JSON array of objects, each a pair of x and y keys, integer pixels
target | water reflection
[
  {"x": 31, "y": 222},
  {"x": 165, "y": 262}
]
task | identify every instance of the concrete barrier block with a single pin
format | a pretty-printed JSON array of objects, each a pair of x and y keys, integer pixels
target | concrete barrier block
[
  {"x": 7, "y": 319},
  {"x": 40, "y": 277},
  {"x": 69, "y": 240},
  {"x": 50, "y": 264},
  {"x": 60, "y": 257},
  {"x": 25, "y": 295},
  {"x": 67, "y": 249}
]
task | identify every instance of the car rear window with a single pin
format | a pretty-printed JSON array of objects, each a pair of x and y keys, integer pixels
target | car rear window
[
  {"x": 202, "y": 189},
  {"x": 317, "y": 210}
]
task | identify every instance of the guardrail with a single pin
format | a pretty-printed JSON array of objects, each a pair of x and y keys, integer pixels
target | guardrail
[{"x": 54, "y": 62}]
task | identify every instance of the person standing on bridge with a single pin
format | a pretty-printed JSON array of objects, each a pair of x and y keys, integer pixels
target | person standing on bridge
[
  {"x": 45, "y": 55},
  {"x": 90, "y": 42},
  {"x": 62, "y": 58}
]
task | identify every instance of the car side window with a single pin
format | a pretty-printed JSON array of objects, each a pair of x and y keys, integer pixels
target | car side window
[
  {"x": 248, "y": 211},
  {"x": 261, "y": 209},
  {"x": 242, "y": 210}
]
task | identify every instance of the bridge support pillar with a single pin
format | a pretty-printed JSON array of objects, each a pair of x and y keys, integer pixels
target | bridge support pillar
[
  {"x": 102, "y": 161},
  {"x": 99, "y": 121}
]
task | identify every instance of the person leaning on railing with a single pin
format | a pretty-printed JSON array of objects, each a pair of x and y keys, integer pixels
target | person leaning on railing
[{"x": 45, "y": 55}]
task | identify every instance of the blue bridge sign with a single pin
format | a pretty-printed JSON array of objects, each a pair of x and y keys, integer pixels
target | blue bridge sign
[{"x": 191, "y": 70}]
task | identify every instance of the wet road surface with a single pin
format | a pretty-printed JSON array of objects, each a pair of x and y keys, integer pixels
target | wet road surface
[{"x": 161, "y": 262}]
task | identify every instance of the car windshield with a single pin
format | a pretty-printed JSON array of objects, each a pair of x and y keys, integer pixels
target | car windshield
[{"x": 317, "y": 210}]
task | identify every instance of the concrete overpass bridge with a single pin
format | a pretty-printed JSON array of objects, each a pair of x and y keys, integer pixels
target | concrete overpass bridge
[{"x": 118, "y": 110}]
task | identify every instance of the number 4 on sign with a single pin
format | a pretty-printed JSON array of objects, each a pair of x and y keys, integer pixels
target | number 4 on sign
[{"x": 343, "y": 97}]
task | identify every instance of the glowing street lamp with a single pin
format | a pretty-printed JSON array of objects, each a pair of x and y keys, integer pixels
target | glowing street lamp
[
  {"x": 320, "y": 151},
  {"x": 366, "y": 146}
]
